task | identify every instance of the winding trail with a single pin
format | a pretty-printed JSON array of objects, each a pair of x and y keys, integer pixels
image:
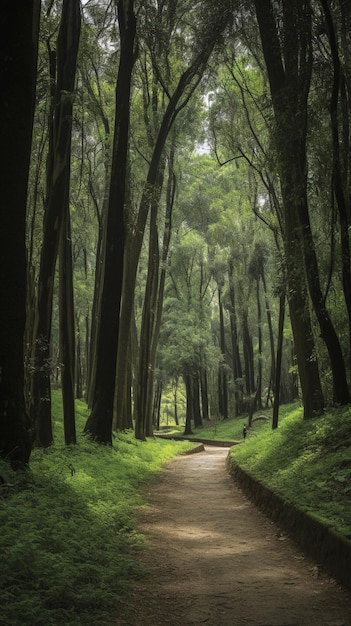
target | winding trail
[{"x": 216, "y": 560}]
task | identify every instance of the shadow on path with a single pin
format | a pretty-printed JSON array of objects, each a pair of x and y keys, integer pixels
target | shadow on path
[{"x": 215, "y": 559}]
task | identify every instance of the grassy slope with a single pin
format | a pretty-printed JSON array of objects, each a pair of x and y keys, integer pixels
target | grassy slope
[
  {"x": 67, "y": 541},
  {"x": 308, "y": 462}
]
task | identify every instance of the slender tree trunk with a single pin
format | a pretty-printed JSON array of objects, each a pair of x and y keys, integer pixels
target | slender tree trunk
[
  {"x": 278, "y": 369},
  {"x": 271, "y": 338},
  {"x": 259, "y": 368},
  {"x": 341, "y": 167},
  {"x": 99, "y": 423},
  {"x": 150, "y": 304},
  {"x": 79, "y": 364},
  {"x": 222, "y": 375},
  {"x": 204, "y": 394},
  {"x": 175, "y": 398},
  {"x": 248, "y": 357},
  {"x": 189, "y": 404},
  {"x": 289, "y": 85},
  {"x": 19, "y": 26},
  {"x": 236, "y": 360},
  {"x": 67, "y": 330},
  {"x": 58, "y": 178},
  {"x": 196, "y": 401},
  {"x": 186, "y": 86}
]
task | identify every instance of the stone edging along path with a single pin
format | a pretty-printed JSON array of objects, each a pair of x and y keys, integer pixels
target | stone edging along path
[
  {"x": 321, "y": 542},
  {"x": 331, "y": 551}
]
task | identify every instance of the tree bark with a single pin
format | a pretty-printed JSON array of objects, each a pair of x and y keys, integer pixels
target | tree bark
[
  {"x": 186, "y": 86},
  {"x": 341, "y": 172},
  {"x": 19, "y": 27},
  {"x": 58, "y": 179},
  {"x": 189, "y": 404},
  {"x": 222, "y": 375},
  {"x": 289, "y": 86},
  {"x": 278, "y": 369},
  {"x": 67, "y": 330},
  {"x": 99, "y": 423},
  {"x": 236, "y": 360}
]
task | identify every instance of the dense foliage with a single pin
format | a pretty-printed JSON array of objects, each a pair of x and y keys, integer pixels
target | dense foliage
[{"x": 187, "y": 216}]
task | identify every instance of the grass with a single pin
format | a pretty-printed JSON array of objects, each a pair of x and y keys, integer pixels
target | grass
[
  {"x": 307, "y": 462},
  {"x": 221, "y": 429},
  {"x": 68, "y": 543}
]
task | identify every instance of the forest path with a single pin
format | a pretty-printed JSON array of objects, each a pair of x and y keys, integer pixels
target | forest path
[{"x": 217, "y": 560}]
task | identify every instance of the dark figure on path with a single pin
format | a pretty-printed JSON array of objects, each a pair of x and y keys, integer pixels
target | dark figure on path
[{"x": 244, "y": 431}]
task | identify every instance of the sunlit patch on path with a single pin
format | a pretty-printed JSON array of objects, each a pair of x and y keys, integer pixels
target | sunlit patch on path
[{"x": 216, "y": 560}]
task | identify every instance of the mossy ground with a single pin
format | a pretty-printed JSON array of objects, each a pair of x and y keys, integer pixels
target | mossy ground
[{"x": 68, "y": 542}]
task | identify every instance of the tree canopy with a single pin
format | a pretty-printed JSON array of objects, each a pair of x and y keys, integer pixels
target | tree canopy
[{"x": 176, "y": 212}]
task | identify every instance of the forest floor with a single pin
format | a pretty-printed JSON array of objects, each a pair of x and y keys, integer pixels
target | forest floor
[{"x": 214, "y": 559}]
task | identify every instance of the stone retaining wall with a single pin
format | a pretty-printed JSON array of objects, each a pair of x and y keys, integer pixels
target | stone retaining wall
[{"x": 331, "y": 551}]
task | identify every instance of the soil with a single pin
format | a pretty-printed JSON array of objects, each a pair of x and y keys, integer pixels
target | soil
[{"x": 215, "y": 559}]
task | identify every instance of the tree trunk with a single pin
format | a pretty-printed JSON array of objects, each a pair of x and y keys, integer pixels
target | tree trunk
[
  {"x": 204, "y": 394},
  {"x": 259, "y": 325},
  {"x": 186, "y": 86},
  {"x": 99, "y": 423},
  {"x": 248, "y": 357},
  {"x": 58, "y": 178},
  {"x": 341, "y": 166},
  {"x": 278, "y": 368},
  {"x": 150, "y": 305},
  {"x": 222, "y": 374},
  {"x": 19, "y": 25},
  {"x": 289, "y": 85},
  {"x": 189, "y": 404},
  {"x": 153, "y": 303},
  {"x": 271, "y": 339},
  {"x": 67, "y": 329},
  {"x": 196, "y": 401},
  {"x": 236, "y": 360}
]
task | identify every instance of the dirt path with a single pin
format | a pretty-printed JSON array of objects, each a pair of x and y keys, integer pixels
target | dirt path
[{"x": 216, "y": 560}]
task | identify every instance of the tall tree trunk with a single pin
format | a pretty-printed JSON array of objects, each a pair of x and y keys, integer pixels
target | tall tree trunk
[
  {"x": 236, "y": 360},
  {"x": 259, "y": 368},
  {"x": 99, "y": 423},
  {"x": 146, "y": 366},
  {"x": 152, "y": 306},
  {"x": 58, "y": 179},
  {"x": 196, "y": 401},
  {"x": 222, "y": 374},
  {"x": 341, "y": 166},
  {"x": 186, "y": 86},
  {"x": 189, "y": 404},
  {"x": 19, "y": 26},
  {"x": 278, "y": 369},
  {"x": 204, "y": 394},
  {"x": 289, "y": 85},
  {"x": 271, "y": 338},
  {"x": 67, "y": 329},
  {"x": 248, "y": 356}
]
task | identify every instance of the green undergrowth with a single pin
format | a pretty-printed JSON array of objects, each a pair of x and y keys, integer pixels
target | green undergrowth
[
  {"x": 68, "y": 543},
  {"x": 308, "y": 462},
  {"x": 222, "y": 429}
]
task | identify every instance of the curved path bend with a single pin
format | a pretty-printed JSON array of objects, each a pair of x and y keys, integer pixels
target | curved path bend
[{"x": 216, "y": 560}]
